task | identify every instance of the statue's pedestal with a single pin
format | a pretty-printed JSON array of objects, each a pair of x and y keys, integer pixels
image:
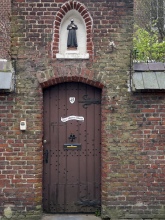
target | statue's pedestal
[
  {"x": 71, "y": 48},
  {"x": 72, "y": 54}
]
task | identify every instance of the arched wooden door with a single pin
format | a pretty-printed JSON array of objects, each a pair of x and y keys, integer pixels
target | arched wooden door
[{"x": 71, "y": 177}]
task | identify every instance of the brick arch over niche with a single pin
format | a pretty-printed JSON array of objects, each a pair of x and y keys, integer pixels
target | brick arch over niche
[{"x": 82, "y": 10}]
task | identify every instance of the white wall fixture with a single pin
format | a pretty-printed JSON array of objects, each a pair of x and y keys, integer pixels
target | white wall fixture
[{"x": 22, "y": 125}]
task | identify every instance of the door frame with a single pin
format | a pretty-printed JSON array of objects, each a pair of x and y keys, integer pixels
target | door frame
[{"x": 101, "y": 137}]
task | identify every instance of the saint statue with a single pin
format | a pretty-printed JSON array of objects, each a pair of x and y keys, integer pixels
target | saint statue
[{"x": 72, "y": 39}]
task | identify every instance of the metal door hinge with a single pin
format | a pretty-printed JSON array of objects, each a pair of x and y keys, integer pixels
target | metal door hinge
[{"x": 87, "y": 101}]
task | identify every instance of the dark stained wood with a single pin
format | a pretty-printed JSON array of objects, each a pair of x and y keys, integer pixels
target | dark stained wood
[{"x": 71, "y": 178}]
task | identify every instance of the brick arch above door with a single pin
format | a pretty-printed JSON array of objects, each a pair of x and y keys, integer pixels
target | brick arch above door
[
  {"x": 82, "y": 10},
  {"x": 60, "y": 79}
]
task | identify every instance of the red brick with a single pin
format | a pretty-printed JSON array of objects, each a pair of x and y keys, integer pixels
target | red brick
[{"x": 132, "y": 135}]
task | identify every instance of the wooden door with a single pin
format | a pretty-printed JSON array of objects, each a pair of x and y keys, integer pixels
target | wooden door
[{"x": 71, "y": 177}]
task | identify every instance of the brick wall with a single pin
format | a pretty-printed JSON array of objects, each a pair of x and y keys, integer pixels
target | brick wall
[
  {"x": 135, "y": 157},
  {"x": 132, "y": 124},
  {"x": 5, "y": 11}
]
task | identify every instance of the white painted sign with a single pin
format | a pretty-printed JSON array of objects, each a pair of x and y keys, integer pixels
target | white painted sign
[{"x": 72, "y": 117}]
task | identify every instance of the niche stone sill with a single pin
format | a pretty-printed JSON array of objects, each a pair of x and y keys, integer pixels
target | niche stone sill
[{"x": 72, "y": 54}]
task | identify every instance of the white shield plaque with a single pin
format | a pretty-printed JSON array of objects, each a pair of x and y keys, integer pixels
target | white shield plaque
[{"x": 72, "y": 100}]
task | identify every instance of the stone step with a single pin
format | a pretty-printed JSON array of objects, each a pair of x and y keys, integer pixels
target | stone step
[{"x": 69, "y": 217}]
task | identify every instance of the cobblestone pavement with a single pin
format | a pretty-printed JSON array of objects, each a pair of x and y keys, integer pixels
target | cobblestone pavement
[{"x": 70, "y": 217}]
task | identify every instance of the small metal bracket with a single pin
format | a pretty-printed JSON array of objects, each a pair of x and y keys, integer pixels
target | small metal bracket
[{"x": 46, "y": 154}]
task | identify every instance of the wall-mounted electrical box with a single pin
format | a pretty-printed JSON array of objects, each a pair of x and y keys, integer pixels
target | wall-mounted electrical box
[{"x": 23, "y": 125}]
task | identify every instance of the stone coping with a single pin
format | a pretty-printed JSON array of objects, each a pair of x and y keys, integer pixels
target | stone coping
[{"x": 72, "y": 54}]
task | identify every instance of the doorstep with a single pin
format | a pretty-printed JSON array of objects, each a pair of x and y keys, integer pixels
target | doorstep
[{"x": 69, "y": 217}]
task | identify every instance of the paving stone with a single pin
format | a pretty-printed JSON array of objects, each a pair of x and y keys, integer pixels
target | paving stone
[{"x": 70, "y": 217}]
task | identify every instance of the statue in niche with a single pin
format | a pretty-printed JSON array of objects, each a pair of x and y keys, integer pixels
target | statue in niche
[{"x": 72, "y": 38}]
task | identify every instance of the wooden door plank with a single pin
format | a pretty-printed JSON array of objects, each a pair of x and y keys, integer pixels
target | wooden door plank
[{"x": 46, "y": 174}]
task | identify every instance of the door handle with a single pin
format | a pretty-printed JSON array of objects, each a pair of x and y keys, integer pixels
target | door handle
[{"x": 46, "y": 156}]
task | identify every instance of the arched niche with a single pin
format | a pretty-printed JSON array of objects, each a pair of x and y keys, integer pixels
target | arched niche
[{"x": 81, "y": 52}]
